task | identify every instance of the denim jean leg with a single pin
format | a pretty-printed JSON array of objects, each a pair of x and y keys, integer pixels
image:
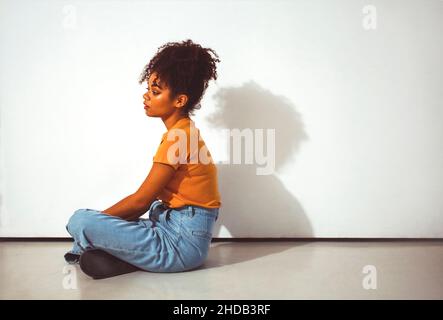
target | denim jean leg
[
  {"x": 76, "y": 249},
  {"x": 139, "y": 243}
]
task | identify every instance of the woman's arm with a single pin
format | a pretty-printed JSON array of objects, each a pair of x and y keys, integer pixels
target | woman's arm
[
  {"x": 125, "y": 208},
  {"x": 136, "y": 204}
]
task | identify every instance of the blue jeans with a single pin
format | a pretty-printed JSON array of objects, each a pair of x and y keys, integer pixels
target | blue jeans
[{"x": 170, "y": 240}]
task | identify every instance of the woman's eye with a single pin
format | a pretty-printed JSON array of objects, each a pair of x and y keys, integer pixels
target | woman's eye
[{"x": 154, "y": 92}]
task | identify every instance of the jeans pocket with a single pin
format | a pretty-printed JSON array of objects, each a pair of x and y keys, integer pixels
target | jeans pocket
[{"x": 199, "y": 224}]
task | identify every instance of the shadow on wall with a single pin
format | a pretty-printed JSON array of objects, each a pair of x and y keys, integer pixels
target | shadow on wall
[{"x": 258, "y": 205}]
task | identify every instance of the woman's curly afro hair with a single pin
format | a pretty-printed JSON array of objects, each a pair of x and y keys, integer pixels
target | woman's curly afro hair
[{"x": 185, "y": 68}]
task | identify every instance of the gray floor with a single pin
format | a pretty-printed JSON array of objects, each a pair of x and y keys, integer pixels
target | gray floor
[{"x": 239, "y": 270}]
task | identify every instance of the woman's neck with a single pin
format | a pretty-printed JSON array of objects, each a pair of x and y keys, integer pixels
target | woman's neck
[{"x": 173, "y": 119}]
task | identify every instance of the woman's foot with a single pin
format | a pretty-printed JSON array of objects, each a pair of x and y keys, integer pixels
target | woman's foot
[
  {"x": 72, "y": 258},
  {"x": 99, "y": 264}
]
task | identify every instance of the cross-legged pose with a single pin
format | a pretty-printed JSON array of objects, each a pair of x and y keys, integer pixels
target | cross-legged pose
[{"x": 180, "y": 193}]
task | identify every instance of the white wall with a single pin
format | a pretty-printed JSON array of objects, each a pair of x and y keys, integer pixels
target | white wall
[{"x": 357, "y": 113}]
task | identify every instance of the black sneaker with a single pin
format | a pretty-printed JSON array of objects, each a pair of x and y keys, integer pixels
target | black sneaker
[
  {"x": 72, "y": 258},
  {"x": 99, "y": 264}
]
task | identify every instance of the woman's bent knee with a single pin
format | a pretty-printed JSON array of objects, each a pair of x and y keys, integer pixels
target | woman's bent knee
[{"x": 78, "y": 220}]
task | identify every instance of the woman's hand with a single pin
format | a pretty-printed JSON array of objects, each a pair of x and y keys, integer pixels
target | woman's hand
[{"x": 135, "y": 205}]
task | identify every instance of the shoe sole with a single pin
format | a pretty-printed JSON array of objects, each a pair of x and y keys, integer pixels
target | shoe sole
[{"x": 99, "y": 264}]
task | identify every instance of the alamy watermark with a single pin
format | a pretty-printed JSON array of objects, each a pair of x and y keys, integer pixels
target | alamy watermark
[
  {"x": 69, "y": 17},
  {"x": 70, "y": 279},
  {"x": 370, "y": 280},
  {"x": 252, "y": 140},
  {"x": 369, "y": 21}
]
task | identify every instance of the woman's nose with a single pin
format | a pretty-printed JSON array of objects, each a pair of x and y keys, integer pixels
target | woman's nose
[{"x": 146, "y": 96}]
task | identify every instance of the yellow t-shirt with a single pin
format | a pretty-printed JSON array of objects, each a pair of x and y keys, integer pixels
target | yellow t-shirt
[{"x": 195, "y": 181}]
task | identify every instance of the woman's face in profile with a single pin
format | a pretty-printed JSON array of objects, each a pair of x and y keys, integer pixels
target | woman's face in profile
[
  {"x": 156, "y": 98},
  {"x": 157, "y": 101}
]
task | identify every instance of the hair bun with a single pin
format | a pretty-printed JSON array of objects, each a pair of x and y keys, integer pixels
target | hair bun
[{"x": 186, "y": 53}]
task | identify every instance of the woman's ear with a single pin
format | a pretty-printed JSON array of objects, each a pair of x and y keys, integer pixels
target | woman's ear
[{"x": 181, "y": 100}]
